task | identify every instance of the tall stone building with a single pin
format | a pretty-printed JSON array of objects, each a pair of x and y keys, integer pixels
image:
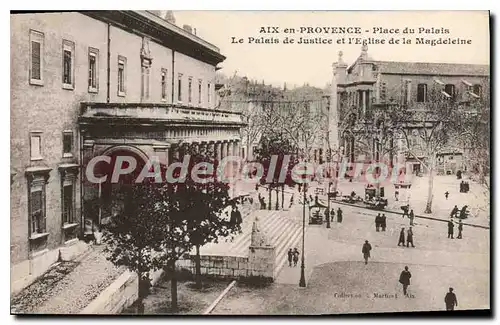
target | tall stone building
[
  {"x": 368, "y": 85},
  {"x": 106, "y": 83}
]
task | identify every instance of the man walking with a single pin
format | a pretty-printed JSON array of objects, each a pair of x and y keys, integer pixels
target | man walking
[
  {"x": 383, "y": 221},
  {"x": 450, "y": 229},
  {"x": 404, "y": 279},
  {"x": 409, "y": 238},
  {"x": 454, "y": 212},
  {"x": 366, "y": 251},
  {"x": 236, "y": 217},
  {"x": 450, "y": 300},
  {"x": 446, "y": 194},
  {"x": 332, "y": 214},
  {"x": 460, "y": 228},
  {"x": 411, "y": 216},
  {"x": 377, "y": 222},
  {"x": 402, "y": 237},
  {"x": 295, "y": 256},
  {"x": 339, "y": 215}
]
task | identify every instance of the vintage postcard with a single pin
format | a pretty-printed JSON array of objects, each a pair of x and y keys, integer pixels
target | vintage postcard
[{"x": 250, "y": 162}]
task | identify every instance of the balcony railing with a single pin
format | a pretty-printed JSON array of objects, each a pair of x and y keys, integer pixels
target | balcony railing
[{"x": 160, "y": 112}]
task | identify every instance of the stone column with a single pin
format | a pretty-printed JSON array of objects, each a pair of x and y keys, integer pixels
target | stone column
[
  {"x": 223, "y": 150},
  {"x": 237, "y": 149},
  {"x": 363, "y": 101},
  {"x": 218, "y": 151}
]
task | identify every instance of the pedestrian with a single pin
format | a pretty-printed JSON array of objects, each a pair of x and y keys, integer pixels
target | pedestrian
[
  {"x": 383, "y": 222},
  {"x": 404, "y": 279},
  {"x": 332, "y": 214},
  {"x": 236, "y": 219},
  {"x": 295, "y": 256},
  {"x": 450, "y": 300},
  {"x": 411, "y": 216},
  {"x": 409, "y": 238},
  {"x": 405, "y": 209},
  {"x": 339, "y": 215},
  {"x": 460, "y": 228},
  {"x": 454, "y": 211},
  {"x": 463, "y": 212},
  {"x": 446, "y": 194},
  {"x": 290, "y": 257},
  {"x": 396, "y": 195},
  {"x": 366, "y": 251},
  {"x": 402, "y": 237},
  {"x": 450, "y": 229},
  {"x": 377, "y": 222}
]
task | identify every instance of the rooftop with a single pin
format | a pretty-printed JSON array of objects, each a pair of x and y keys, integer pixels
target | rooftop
[{"x": 445, "y": 69}]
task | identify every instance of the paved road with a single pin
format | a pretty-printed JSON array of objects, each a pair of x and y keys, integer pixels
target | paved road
[{"x": 334, "y": 265}]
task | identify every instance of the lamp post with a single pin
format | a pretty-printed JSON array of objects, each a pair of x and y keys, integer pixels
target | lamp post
[{"x": 302, "y": 282}]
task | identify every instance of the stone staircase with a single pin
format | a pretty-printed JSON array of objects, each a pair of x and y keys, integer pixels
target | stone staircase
[{"x": 281, "y": 230}]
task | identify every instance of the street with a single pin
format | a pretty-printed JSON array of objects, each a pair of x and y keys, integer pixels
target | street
[{"x": 334, "y": 266}]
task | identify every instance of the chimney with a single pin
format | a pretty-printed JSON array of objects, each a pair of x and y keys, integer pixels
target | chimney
[{"x": 188, "y": 28}]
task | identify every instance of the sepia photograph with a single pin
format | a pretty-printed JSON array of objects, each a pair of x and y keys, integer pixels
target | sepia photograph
[{"x": 169, "y": 162}]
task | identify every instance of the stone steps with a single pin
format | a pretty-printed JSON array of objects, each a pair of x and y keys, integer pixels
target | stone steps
[{"x": 281, "y": 231}]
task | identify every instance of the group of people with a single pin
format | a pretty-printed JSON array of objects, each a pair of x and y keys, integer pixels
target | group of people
[
  {"x": 451, "y": 225},
  {"x": 380, "y": 222},
  {"x": 464, "y": 187},
  {"x": 409, "y": 237},
  {"x": 332, "y": 215},
  {"x": 461, "y": 214},
  {"x": 410, "y": 215},
  {"x": 293, "y": 256}
]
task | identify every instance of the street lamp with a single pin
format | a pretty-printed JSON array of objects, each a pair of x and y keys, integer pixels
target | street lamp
[{"x": 302, "y": 282}]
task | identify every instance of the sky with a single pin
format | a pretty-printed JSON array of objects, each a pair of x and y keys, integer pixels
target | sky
[{"x": 297, "y": 64}]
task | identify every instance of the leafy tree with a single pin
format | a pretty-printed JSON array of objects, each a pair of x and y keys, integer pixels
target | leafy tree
[
  {"x": 203, "y": 210},
  {"x": 133, "y": 236}
]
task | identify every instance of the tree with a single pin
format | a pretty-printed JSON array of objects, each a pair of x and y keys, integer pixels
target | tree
[
  {"x": 132, "y": 237},
  {"x": 279, "y": 148},
  {"x": 203, "y": 210},
  {"x": 428, "y": 131}
]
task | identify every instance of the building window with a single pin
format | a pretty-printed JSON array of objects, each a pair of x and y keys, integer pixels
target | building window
[
  {"x": 179, "y": 87},
  {"x": 122, "y": 64},
  {"x": 68, "y": 195},
  {"x": 68, "y": 64},
  {"x": 93, "y": 69},
  {"x": 36, "y": 145},
  {"x": 37, "y": 209},
  {"x": 209, "y": 93},
  {"x": 449, "y": 89},
  {"x": 163, "y": 84},
  {"x": 36, "y": 57},
  {"x": 199, "y": 91},
  {"x": 190, "y": 90},
  {"x": 477, "y": 90},
  {"x": 422, "y": 93},
  {"x": 67, "y": 144}
]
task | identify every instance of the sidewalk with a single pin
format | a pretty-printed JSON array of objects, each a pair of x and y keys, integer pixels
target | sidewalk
[{"x": 68, "y": 287}]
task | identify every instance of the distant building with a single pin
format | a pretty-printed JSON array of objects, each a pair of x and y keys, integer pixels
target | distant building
[
  {"x": 99, "y": 83},
  {"x": 368, "y": 84}
]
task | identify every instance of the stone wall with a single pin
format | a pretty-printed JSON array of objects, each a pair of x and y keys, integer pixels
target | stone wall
[
  {"x": 122, "y": 293},
  {"x": 259, "y": 263}
]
